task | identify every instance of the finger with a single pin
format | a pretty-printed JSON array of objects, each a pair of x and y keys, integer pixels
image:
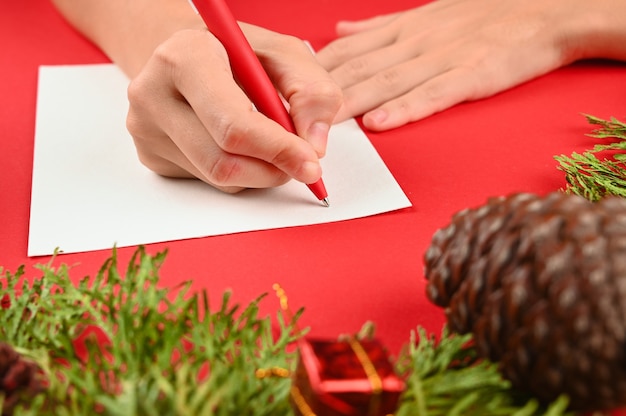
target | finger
[
  {"x": 313, "y": 96},
  {"x": 367, "y": 65},
  {"x": 435, "y": 95},
  {"x": 343, "y": 49},
  {"x": 165, "y": 158},
  {"x": 387, "y": 85},
  {"x": 154, "y": 148},
  {"x": 154, "y": 96},
  {"x": 180, "y": 146},
  {"x": 350, "y": 27},
  {"x": 210, "y": 162},
  {"x": 235, "y": 126},
  {"x": 314, "y": 99},
  {"x": 436, "y": 17},
  {"x": 143, "y": 121},
  {"x": 467, "y": 80},
  {"x": 241, "y": 132}
]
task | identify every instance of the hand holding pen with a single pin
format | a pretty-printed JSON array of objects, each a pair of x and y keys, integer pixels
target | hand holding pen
[
  {"x": 188, "y": 116},
  {"x": 248, "y": 70}
]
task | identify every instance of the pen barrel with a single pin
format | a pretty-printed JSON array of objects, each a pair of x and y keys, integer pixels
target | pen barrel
[
  {"x": 245, "y": 65},
  {"x": 248, "y": 71}
]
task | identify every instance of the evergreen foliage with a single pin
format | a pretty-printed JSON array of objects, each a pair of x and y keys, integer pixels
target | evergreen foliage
[
  {"x": 601, "y": 171},
  {"x": 154, "y": 351}
]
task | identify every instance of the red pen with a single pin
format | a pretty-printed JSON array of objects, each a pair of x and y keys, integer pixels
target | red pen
[{"x": 248, "y": 70}]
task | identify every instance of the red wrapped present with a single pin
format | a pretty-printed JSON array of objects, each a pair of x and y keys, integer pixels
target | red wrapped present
[{"x": 347, "y": 377}]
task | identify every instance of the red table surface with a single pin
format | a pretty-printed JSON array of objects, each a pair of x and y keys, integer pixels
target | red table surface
[{"x": 344, "y": 273}]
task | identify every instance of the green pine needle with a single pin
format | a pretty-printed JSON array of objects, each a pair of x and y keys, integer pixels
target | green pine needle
[
  {"x": 595, "y": 178},
  {"x": 446, "y": 377},
  {"x": 170, "y": 354}
]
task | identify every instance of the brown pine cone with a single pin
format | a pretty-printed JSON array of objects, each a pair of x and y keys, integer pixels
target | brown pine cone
[
  {"x": 20, "y": 379},
  {"x": 541, "y": 284}
]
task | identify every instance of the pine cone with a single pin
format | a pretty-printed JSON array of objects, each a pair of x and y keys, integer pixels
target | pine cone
[
  {"x": 20, "y": 379},
  {"x": 541, "y": 284}
]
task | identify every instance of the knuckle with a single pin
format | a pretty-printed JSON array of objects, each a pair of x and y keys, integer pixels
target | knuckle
[
  {"x": 229, "y": 189},
  {"x": 281, "y": 158},
  {"x": 144, "y": 143},
  {"x": 133, "y": 125},
  {"x": 163, "y": 56},
  {"x": 329, "y": 89},
  {"x": 403, "y": 106},
  {"x": 281, "y": 178},
  {"x": 143, "y": 147},
  {"x": 172, "y": 56},
  {"x": 149, "y": 159},
  {"x": 434, "y": 91},
  {"x": 277, "y": 178},
  {"x": 327, "y": 92},
  {"x": 436, "y": 96},
  {"x": 388, "y": 78},
  {"x": 136, "y": 93},
  {"x": 231, "y": 134},
  {"x": 335, "y": 96},
  {"x": 479, "y": 83},
  {"x": 339, "y": 50},
  {"x": 357, "y": 67},
  {"x": 285, "y": 160},
  {"x": 133, "y": 92},
  {"x": 223, "y": 169}
]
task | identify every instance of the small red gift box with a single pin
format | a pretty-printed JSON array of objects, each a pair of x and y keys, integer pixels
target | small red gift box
[{"x": 347, "y": 377}]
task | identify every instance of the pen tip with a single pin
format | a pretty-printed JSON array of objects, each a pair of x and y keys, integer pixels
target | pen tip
[{"x": 325, "y": 202}]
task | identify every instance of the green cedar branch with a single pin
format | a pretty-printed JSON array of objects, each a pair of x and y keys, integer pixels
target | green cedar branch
[
  {"x": 592, "y": 177},
  {"x": 169, "y": 353}
]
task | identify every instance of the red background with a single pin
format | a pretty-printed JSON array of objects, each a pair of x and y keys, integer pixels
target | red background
[{"x": 346, "y": 273}]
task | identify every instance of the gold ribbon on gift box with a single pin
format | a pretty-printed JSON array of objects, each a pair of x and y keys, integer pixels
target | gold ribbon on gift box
[
  {"x": 368, "y": 367},
  {"x": 370, "y": 372}
]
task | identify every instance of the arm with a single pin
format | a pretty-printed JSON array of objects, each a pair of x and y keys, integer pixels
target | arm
[
  {"x": 128, "y": 31},
  {"x": 187, "y": 116},
  {"x": 405, "y": 66}
]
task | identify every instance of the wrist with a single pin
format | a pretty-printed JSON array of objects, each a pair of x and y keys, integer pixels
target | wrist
[
  {"x": 151, "y": 23},
  {"x": 597, "y": 31},
  {"x": 129, "y": 31}
]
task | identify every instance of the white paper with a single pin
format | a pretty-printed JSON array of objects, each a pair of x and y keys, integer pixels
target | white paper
[{"x": 90, "y": 192}]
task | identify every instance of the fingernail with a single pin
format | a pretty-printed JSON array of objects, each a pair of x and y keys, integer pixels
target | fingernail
[
  {"x": 317, "y": 136},
  {"x": 377, "y": 116}
]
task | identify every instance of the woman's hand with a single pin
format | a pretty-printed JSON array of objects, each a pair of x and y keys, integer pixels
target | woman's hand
[
  {"x": 405, "y": 66},
  {"x": 189, "y": 118}
]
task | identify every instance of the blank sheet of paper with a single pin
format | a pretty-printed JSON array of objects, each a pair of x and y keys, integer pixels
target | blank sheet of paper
[{"x": 90, "y": 192}]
